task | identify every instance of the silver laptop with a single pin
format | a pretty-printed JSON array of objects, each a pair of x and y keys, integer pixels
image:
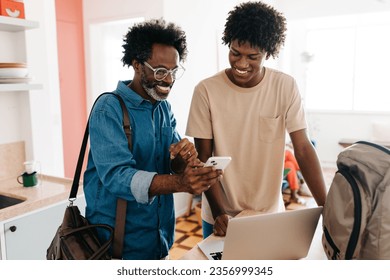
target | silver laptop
[{"x": 274, "y": 236}]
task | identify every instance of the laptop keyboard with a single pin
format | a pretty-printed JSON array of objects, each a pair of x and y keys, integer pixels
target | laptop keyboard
[{"x": 216, "y": 255}]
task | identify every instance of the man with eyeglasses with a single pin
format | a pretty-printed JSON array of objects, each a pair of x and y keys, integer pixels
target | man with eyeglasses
[
  {"x": 160, "y": 162},
  {"x": 244, "y": 112}
]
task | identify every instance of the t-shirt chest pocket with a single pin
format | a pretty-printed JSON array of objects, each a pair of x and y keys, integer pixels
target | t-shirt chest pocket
[{"x": 270, "y": 129}]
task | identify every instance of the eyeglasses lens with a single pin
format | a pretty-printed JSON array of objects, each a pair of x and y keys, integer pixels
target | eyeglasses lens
[{"x": 161, "y": 73}]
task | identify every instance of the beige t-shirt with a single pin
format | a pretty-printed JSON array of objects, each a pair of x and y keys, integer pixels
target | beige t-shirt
[{"x": 248, "y": 124}]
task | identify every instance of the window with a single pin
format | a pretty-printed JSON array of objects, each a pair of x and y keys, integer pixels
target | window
[{"x": 347, "y": 60}]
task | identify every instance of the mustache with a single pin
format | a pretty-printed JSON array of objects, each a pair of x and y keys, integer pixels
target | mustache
[{"x": 164, "y": 84}]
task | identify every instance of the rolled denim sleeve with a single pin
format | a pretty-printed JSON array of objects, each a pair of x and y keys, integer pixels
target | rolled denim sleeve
[{"x": 140, "y": 185}]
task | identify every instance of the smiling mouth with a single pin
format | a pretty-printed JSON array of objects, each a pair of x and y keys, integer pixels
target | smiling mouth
[
  {"x": 163, "y": 89},
  {"x": 241, "y": 72}
]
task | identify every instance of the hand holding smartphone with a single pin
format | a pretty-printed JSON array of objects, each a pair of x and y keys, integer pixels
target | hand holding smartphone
[{"x": 218, "y": 162}]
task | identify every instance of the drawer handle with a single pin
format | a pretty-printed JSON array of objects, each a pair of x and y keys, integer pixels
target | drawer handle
[{"x": 12, "y": 228}]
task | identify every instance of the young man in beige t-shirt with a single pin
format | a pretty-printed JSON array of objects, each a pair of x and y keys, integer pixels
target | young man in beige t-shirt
[{"x": 244, "y": 112}]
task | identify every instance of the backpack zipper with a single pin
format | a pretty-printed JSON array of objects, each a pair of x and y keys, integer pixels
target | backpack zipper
[
  {"x": 336, "y": 251},
  {"x": 357, "y": 213}
]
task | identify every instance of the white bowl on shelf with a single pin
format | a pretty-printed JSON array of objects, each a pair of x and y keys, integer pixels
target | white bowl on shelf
[{"x": 13, "y": 72}]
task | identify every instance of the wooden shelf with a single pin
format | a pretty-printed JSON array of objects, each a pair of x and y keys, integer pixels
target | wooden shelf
[
  {"x": 16, "y": 24},
  {"x": 348, "y": 142},
  {"x": 19, "y": 87}
]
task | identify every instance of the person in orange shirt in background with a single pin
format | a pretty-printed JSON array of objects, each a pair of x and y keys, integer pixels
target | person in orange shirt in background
[{"x": 292, "y": 177}]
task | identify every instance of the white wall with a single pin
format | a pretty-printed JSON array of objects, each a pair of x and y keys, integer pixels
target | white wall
[
  {"x": 45, "y": 105},
  {"x": 298, "y": 9}
]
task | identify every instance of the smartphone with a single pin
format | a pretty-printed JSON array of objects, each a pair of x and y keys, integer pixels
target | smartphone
[{"x": 218, "y": 162}]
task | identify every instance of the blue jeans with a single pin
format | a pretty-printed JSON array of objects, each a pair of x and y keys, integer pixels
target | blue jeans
[{"x": 207, "y": 229}]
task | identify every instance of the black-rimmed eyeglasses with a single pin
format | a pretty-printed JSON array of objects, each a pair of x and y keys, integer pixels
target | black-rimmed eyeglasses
[{"x": 161, "y": 73}]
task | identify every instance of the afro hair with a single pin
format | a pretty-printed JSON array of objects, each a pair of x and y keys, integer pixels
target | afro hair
[
  {"x": 257, "y": 23},
  {"x": 140, "y": 38}
]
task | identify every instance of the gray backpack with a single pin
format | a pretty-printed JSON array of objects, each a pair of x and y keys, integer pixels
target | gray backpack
[{"x": 356, "y": 215}]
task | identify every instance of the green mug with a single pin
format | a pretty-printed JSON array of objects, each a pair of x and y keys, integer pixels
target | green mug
[{"x": 28, "y": 180}]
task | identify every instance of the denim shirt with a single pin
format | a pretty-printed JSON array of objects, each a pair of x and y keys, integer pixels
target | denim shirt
[{"x": 114, "y": 171}]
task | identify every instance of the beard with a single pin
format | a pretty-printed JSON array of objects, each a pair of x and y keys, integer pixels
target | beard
[{"x": 150, "y": 88}]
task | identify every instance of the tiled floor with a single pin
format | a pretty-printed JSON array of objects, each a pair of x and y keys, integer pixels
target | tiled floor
[
  {"x": 189, "y": 231},
  {"x": 188, "y": 234}
]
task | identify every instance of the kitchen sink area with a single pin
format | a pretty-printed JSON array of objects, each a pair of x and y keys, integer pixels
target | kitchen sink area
[
  {"x": 29, "y": 216},
  {"x": 7, "y": 201},
  {"x": 16, "y": 200}
]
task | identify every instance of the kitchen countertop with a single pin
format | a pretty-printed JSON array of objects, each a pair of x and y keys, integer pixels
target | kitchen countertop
[{"x": 50, "y": 191}]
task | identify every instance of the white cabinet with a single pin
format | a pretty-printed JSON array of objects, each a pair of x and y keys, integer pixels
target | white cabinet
[{"x": 27, "y": 237}]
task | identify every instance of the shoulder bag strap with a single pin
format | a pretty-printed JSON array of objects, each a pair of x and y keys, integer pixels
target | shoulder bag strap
[
  {"x": 121, "y": 203},
  {"x": 80, "y": 161}
]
